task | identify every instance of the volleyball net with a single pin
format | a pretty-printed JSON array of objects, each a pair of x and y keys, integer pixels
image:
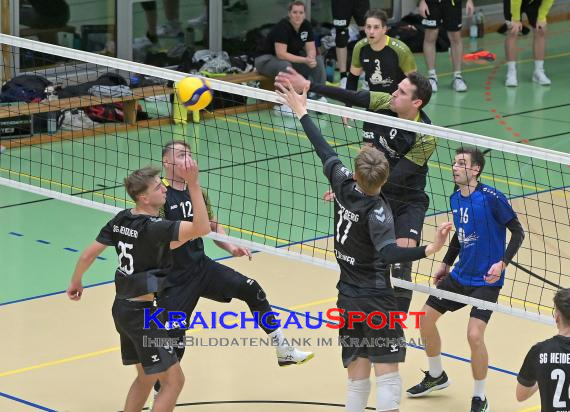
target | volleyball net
[{"x": 100, "y": 118}]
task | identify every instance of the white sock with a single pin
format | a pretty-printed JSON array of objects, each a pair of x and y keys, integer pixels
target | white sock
[
  {"x": 435, "y": 367},
  {"x": 479, "y": 389},
  {"x": 431, "y": 73},
  {"x": 357, "y": 392},
  {"x": 277, "y": 337},
  {"x": 457, "y": 74},
  {"x": 539, "y": 65},
  {"x": 512, "y": 66}
]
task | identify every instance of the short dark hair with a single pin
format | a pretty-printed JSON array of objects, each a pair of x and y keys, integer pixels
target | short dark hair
[
  {"x": 423, "y": 87},
  {"x": 377, "y": 14},
  {"x": 138, "y": 181},
  {"x": 562, "y": 303},
  {"x": 296, "y": 3},
  {"x": 168, "y": 146},
  {"x": 477, "y": 156}
]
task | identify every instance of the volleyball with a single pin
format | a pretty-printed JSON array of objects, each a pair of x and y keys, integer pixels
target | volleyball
[{"x": 194, "y": 93}]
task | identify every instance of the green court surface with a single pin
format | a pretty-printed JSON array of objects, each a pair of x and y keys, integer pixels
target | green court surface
[{"x": 262, "y": 177}]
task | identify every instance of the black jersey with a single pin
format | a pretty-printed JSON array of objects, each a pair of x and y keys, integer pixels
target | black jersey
[
  {"x": 384, "y": 69},
  {"x": 408, "y": 152},
  {"x": 548, "y": 363},
  {"x": 190, "y": 255},
  {"x": 363, "y": 226},
  {"x": 142, "y": 244},
  {"x": 284, "y": 32}
]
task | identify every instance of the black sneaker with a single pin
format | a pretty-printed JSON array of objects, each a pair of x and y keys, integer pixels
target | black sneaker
[
  {"x": 428, "y": 384},
  {"x": 477, "y": 405}
]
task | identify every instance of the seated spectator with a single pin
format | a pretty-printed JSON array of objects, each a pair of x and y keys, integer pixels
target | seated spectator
[
  {"x": 41, "y": 14},
  {"x": 291, "y": 43}
]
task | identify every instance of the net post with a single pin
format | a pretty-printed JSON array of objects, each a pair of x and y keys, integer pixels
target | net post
[{"x": 6, "y": 73}]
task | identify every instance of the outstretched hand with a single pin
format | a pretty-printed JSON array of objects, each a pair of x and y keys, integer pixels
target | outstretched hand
[
  {"x": 297, "y": 80},
  {"x": 287, "y": 95}
]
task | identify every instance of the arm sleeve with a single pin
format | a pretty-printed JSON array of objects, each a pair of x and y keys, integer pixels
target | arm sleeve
[
  {"x": 355, "y": 61},
  {"x": 452, "y": 250},
  {"x": 309, "y": 28},
  {"x": 323, "y": 149},
  {"x": 393, "y": 253},
  {"x": 406, "y": 59},
  {"x": 348, "y": 97},
  {"x": 544, "y": 9},
  {"x": 280, "y": 33},
  {"x": 105, "y": 236},
  {"x": 517, "y": 237},
  {"x": 527, "y": 375},
  {"x": 164, "y": 230}
]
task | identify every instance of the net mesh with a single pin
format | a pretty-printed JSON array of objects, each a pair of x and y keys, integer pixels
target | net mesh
[{"x": 264, "y": 181}]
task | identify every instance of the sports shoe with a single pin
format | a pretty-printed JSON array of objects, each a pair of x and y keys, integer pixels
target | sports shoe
[
  {"x": 283, "y": 110},
  {"x": 511, "y": 80},
  {"x": 342, "y": 83},
  {"x": 199, "y": 21},
  {"x": 289, "y": 355},
  {"x": 2, "y": 149},
  {"x": 433, "y": 83},
  {"x": 428, "y": 384},
  {"x": 477, "y": 405},
  {"x": 458, "y": 84},
  {"x": 169, "y": 29},
  {"x": 540, "y": 77}
]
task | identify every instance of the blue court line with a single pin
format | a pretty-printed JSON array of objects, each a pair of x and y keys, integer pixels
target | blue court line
[
  {"x": 28, "y": 403},
  {"x": 448, "y": 355}
]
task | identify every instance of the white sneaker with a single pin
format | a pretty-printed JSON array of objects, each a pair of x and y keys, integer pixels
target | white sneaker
[
  {"x": 511, "y": 80},
  {"x": 169, "y": 29},
  {"x": 283, "y": 110},
  {"x": 2, "y": 149},
  {"x": 342, "y": 83},
  {"x": 433, "y": 83},
  {"x": 540, "y": 77},
  {"x": 459, "y": 84},
  {"x": 289, "y": 355},
  {"x": 322, "y": 99}
]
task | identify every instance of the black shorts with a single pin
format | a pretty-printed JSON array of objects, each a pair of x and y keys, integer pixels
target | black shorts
[
  {"x": 211, "y": 280},
  {"x": 377, "y": 345},
  {"x": 409, "y": 215},
  {"x": 528, "y": 8},
  {"x": 443, "y": 13},
  {"x": 344, "y": 10},
  {"x": 488, "y": 293},
  {"x": 129, "y": 321}
]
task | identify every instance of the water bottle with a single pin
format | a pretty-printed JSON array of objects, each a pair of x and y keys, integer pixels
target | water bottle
[
  {"x": 473, "y": 29},
  {"x": 480, "y": 23},
  {"x": 51, "y": 116}
]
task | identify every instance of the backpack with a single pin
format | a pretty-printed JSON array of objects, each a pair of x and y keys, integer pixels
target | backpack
[
  {"x": 411, "y": 31},
  {"x": 24, "y": 88}
]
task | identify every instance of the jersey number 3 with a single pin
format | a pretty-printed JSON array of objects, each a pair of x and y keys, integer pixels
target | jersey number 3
[
  {"x": 126, "y": 262},
  {"x": 339, "y": 238}
]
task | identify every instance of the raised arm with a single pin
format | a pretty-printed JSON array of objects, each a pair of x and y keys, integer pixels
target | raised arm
[{"x": 298, "y": 103}]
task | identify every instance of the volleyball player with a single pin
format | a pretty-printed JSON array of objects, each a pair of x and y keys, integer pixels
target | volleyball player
[
  {"x": 365, "y": 245},
  {"x": 142, "y": 241},
  {"x": 407, "y": 153},
  {"x": 481, "y": 215}
]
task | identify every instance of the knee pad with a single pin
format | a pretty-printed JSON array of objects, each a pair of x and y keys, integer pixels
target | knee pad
[
  {"x": 341, "y": 36},
  {"x": 388, "y": 391},
  {"x": 357, "y": 392}
]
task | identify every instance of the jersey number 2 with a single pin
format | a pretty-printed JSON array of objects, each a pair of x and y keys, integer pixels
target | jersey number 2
[
  {"x": 560, "y": 377},
  {"x": 125, "y": 257},
  {"x": 339, "y": 238}
]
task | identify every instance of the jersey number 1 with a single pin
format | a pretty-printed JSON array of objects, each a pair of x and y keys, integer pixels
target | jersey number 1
[{"x": 339, "y": 238}]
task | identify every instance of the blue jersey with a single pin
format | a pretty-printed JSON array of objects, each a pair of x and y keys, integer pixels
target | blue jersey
[{"x": 480, "y": 221}]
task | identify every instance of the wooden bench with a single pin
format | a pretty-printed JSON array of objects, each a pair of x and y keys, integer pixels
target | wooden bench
[{"x": 129, "y": 109}]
